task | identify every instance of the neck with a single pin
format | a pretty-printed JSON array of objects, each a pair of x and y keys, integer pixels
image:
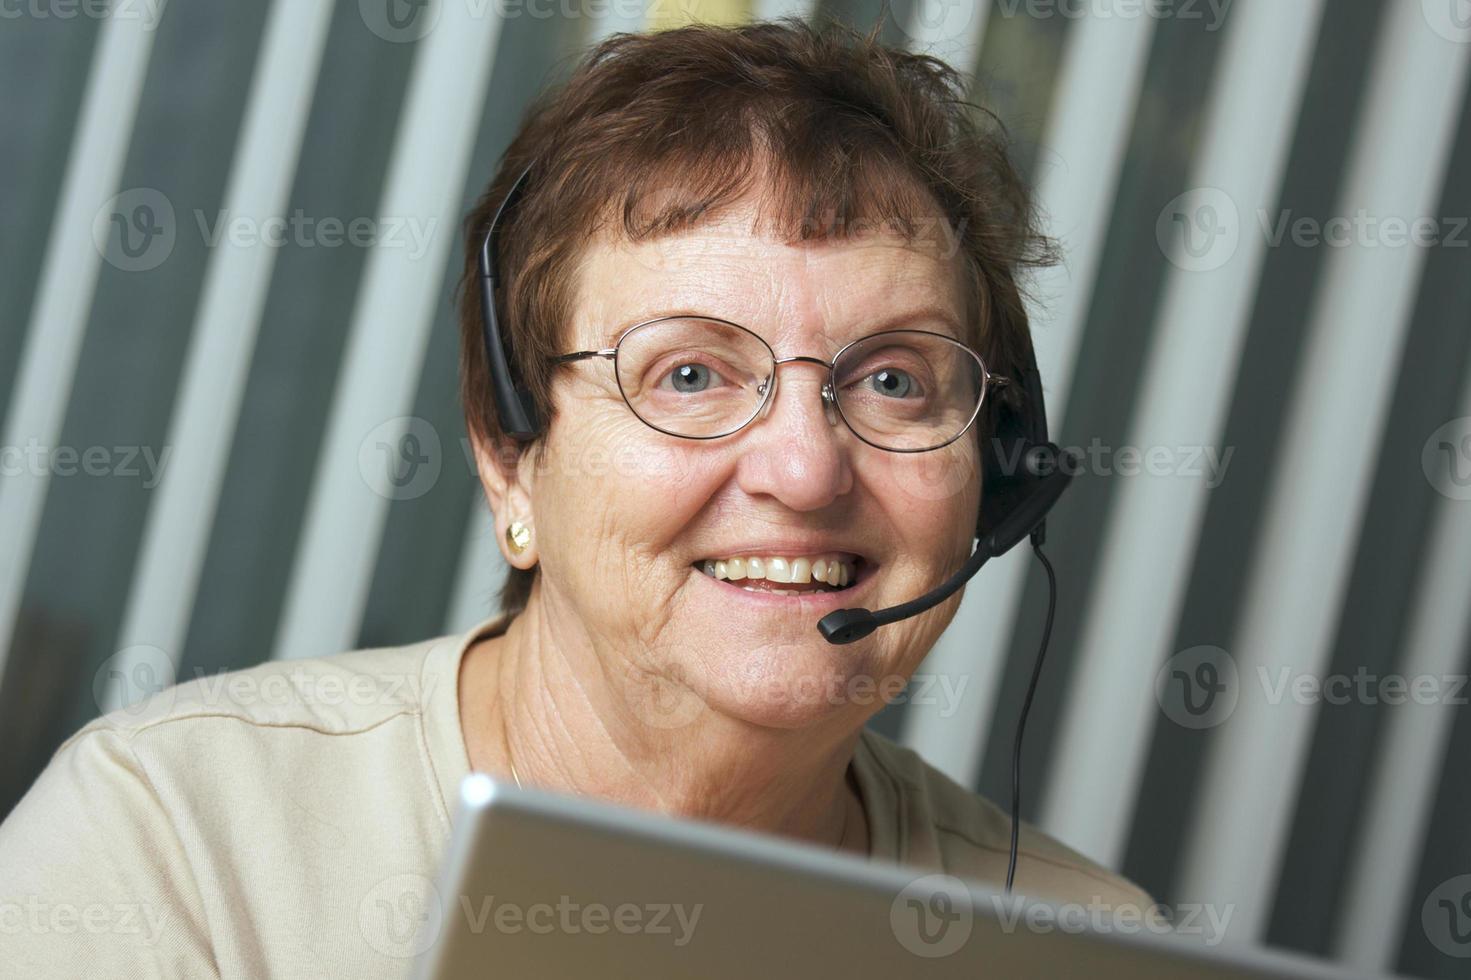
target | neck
[{"x": 571, "y": 724}]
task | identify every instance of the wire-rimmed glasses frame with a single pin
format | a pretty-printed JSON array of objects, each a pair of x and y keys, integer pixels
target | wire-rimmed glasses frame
[{"x": 767, "y": 388}]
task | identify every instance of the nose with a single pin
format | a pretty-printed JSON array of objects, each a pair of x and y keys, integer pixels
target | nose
[{"x": 795, "y": 452}]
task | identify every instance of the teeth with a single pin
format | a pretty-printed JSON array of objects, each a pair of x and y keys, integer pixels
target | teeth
[{"x": 829, "y": 570}]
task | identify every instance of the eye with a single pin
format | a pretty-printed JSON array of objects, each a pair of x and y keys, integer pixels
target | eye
[
  {"x": 892, "y": 382},
  {"x": 690, "y": 378}
]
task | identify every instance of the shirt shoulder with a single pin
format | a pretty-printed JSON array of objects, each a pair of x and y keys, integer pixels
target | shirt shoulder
[
  {"x": 965, "y": 834},
  {"x": 337, "y": 694}
]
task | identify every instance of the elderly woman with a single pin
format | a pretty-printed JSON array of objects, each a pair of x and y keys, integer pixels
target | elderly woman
[{"x": 753, "y": 289}]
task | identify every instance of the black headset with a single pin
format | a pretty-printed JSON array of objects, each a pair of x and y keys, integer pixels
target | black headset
[{"x": 1023, "y": 474}]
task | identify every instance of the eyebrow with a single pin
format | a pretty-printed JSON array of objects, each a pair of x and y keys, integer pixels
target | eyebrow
[{"x": 931, "y": 314}]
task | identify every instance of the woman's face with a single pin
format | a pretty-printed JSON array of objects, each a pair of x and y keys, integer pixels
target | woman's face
[{"x": 627, "y": 517}]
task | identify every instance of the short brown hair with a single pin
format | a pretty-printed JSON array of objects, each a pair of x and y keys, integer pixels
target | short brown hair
[{"x": 840, "y": 130}]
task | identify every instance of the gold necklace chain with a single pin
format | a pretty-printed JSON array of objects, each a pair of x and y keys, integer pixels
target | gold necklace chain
[{"x": 506, "y": 734}]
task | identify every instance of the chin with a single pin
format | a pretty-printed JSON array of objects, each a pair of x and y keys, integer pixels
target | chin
[{"x": 802, "y": 685}]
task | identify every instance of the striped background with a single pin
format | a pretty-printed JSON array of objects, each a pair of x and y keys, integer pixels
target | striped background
[{"x": 1168, "y": 148}]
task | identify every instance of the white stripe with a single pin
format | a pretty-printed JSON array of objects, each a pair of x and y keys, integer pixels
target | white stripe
[
  {"x": 1408, "y": 761},
  {"x": 602, "y": 21},
  {"x": 951, "y": 30},
  {"x": 1321, "y": 479},
  {"x": 68, "y": 281},
  {"x": 1152, "y": 530},
  {"x": 772, "y": 9},
  {"x": 1085, "y": 142},
  {"x": 390, "y": 331},
  {"x": 225, "y": 327},
  {"x": 481, "y": 571}
]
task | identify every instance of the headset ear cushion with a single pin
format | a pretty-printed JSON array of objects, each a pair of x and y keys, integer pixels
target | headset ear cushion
[{"x": 1004, "y": 476}]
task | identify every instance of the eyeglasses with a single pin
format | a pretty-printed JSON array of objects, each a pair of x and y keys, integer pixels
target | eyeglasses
[{"x": 697, "y": 377}]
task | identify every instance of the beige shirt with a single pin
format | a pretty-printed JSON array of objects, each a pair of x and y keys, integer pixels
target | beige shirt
[{"x": 264, "y": 822}]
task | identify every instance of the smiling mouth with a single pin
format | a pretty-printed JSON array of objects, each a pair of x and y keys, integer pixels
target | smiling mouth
[{"x": 805, "y": 575}]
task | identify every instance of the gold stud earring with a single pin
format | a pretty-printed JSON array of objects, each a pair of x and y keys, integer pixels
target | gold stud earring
[{"x": 518, "y": 536}]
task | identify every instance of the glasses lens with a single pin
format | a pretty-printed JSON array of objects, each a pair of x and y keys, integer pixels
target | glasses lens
[
  {"x": 693, "y": 377},
  {"x": 909, "y": 390}
]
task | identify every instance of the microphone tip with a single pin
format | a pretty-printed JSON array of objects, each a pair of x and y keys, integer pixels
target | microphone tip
[{"x": 847, "y": 625}]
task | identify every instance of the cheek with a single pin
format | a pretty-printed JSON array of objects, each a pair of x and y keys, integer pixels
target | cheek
[
  {"x": 620, "y": 492},
  {"x": 934, "y": 496}
]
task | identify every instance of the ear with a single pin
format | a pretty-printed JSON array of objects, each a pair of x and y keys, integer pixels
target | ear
[{"x": 505, "y": 467}]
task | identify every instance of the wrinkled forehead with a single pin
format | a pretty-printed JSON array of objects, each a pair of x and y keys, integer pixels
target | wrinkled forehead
[{"x": 744, "y": 263}]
